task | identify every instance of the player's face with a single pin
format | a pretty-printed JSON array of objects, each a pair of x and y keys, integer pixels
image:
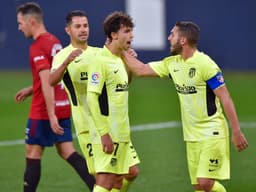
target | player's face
[
  {"x": 79, "y": 30},
  {"x": 174, "y": 39},
  {"x": 24, "y": 25},
  {"x": 124, "y": 37}
]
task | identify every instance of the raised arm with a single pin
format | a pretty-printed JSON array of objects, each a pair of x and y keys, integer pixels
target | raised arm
[
  {"x": 238, "y": 137},
  {"x": 57, "y": 74},
  {"x": 137, "y": 67}
]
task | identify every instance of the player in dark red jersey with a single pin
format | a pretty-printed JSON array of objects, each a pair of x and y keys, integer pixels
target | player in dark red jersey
[{"x": 49, "y": 119}]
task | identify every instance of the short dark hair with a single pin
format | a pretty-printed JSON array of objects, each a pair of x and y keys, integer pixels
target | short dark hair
[
  {"x": 115, "y": 20},
  {"x": 31, "y": 8},
  {"x": 75, "y": 13},
  {"x": 189, "y": 30}
]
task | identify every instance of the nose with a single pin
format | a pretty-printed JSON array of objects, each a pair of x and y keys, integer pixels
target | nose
[
  {"x": 132, "y": 36},
  {"x": 169, "y": 37},
  {"x": 19, "y": 27}
]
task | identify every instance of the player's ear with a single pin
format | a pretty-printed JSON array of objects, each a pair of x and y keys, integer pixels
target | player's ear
[
  {"x": 114, "y": 35},
  {"x": 67, "y": 29},
  {"x": 183, "y": 40},
  {"x": 31, "y": 21}
]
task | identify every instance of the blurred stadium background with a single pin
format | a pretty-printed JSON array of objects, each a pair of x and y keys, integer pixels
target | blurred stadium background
[
  {"x": 227, "y": 27},
  {"x": 227, "y": 34}
]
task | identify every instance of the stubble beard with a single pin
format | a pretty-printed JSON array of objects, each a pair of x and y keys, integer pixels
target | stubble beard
[{"x": 176, "y": 49}]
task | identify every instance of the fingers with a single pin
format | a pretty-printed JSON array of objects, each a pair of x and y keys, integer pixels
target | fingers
[
  {"x": 57, "y": 130},
  {"x": 108, "y": 149},
  {"x": 242, "y": 146},
  {"x": 19, "y": 98},
  {"x": 241, "y": 143},
  {"x": 132, "y": 53},
  {"x": 75, "y": 54}
]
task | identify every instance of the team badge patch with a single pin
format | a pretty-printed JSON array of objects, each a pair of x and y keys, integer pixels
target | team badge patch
[
  {"x": 220, "y": 78},
  {"x": 95, "y": 78},
  {"x": 113, "y": 162},
  {"x": 192, "y": 72}
]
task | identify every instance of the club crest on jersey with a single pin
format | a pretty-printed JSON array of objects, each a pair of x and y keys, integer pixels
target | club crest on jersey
[
  {"x": 220, "y": 78},
  {"x": 95, "y": 78},
  {"x": 192, "y": 72}
]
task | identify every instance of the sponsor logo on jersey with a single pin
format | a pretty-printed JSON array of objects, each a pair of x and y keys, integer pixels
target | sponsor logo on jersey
[
  {"x": 83, "y": 76},
  {"x": 185, "y": 89},
  {"x": 38, "y": 58},
  {"x": 122, "y": 87}
]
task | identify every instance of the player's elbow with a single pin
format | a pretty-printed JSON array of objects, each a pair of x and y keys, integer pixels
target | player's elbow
[{"x": 52, "y": 81}]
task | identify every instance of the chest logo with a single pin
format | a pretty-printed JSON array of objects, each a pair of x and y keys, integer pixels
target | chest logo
[
  {"x": 192, "y": 72},
  {"x": 84, "y": 76}
]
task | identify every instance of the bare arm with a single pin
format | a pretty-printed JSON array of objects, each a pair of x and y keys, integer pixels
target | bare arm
[
  {"x": 57, "y": 74},
  {"x": 238, "y": 137},
  {"x": 137, "y": 67},
  {"x": 48, "y": 93},
  {"x": 22, "y": 94}
]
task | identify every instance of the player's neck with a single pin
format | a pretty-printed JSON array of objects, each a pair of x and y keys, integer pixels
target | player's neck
[
  {"x": 188, "y": 52},
  {"x": 80, "y": 45},
  {"x": 115, "y": 50},
  {"x": 38, "y": 30}
]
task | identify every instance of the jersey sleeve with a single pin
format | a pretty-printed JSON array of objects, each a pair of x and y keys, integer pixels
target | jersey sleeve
[
  {"x": 96, "y": 81},
  {"x": 40, "y": 59},
  {"x": 57, "y": 61},
  {"x": 209, "y": 69},
  {"x": 160, "y": 67},
  {"x": 216, "y": 81}
]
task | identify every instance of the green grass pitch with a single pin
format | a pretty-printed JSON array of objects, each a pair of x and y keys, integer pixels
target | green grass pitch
[{"x": 162, "y": 151}]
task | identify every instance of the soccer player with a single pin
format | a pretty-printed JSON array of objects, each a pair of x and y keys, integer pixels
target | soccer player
[
  {"x": 201, "y": 89},
  {"x": 70, "y": 66},
  {"x": 107, "y": 97},
  {"x": 49, "y": 119}
]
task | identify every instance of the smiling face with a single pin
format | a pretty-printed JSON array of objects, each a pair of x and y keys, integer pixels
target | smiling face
[{"x": 78, "y": 30}]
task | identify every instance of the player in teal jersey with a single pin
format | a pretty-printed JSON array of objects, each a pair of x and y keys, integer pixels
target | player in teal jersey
[
  {"x": 201, "y": 90},
  {"x": 107, "y": 96}
]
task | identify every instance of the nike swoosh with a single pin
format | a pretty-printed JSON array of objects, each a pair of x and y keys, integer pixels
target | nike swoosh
[
  {"x": 116, "y": 71},
  {"x": 175, "y": 70},
  {"x": 76, "y": 61},
  {"x": 210, "y": 170}
]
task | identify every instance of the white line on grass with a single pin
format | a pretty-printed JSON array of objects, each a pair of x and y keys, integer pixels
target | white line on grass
[{"x": 143, "y": 127}]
